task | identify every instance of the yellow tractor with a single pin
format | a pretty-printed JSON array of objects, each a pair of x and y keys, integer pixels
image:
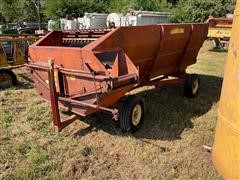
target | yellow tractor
[{"x": 13, "y": 54}]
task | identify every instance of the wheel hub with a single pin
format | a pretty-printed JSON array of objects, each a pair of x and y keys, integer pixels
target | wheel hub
[
  {"x": 195, "y": 86},
  {"x": 136, "y": 115}
]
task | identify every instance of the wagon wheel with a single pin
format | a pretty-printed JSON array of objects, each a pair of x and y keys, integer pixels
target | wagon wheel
[
  {"x": 191, "y": 85},
  {"x": 132, "y": 114},
  {"x": 7, "y": 78}
]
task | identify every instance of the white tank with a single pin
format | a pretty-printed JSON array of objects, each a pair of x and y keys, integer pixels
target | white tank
[
  {"x": 139, "y": 18},
  {"x": 114, "y": 20},
  {"x": 229, "y": 15},
  {"x": 81, "y": 24},
  {"x": 63, "y": 23},
  {"x": 66, "y": 24},
  {"x": 51, "y": 24},
  {"x": 92, "y": 20}
]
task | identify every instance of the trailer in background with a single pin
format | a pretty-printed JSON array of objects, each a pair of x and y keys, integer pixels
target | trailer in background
[{"x": 220, "y": 30}]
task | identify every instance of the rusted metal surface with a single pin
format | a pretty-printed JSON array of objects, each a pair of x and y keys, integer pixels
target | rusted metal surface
[
  {"x": 94, "y": 69},
  {"x": 220, "y": 22}
]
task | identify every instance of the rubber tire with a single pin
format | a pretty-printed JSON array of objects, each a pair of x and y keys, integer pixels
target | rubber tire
[
  {"x": 12, "y": 75},
  {"x": 188, "y": 90},
  {"x": 126, "y": 124}
]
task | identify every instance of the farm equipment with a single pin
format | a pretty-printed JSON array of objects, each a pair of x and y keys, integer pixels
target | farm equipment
[
  {"x": 21, "y": 28},
  {"x": 226, "y": 149},
  {"x": 10, "y": 28},
  {"x": 220, "y": 31},
  {"x": 138, "y": 18},
  {"x": 13, "y": 54},
  {"x": 86, "y": 71}
]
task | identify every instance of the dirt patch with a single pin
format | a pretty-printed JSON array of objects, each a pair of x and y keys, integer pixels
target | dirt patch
[{"x": 76, "y": 167}]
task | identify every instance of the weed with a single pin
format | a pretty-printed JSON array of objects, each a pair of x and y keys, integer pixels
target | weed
[
  {"x": 39, "y": 115},
  {"x": 6, "y": 117},
  {"x": 24, "y": 148},
  {"x": 86, "y": 151}
]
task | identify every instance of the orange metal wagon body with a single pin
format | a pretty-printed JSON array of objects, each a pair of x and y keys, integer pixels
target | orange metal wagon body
[{"x": 91, "y": 70}]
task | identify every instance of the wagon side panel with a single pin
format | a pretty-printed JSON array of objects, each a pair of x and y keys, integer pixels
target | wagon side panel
[
  {"x": 67, "y": 59},
  {"x": 174, "y": 41},
  {"x": 140, "y": 44},
  {"x": 199, "y": 34}
]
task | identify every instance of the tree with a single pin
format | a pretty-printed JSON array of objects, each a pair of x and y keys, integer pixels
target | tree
[
  {"x": 150, "y": 5},
  {"x": 9, "y": 10},
  {"x": 153, "y": 5},
  {"x": 74, "y": 8},
  {"x": 21, "y": 10},
  {"x": 200, "y": 10},
  {"x": 121, "y": 6},
  {"x": 2, "y": 19}
]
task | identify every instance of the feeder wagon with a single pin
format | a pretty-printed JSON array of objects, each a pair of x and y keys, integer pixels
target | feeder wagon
[{"x": 86, "y": 71}]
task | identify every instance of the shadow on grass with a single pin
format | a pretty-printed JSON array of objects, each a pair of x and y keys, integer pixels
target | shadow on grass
[
  {"x": 219, "y": 49},
  {"x": 24, "y": 81},
  {"x": 168, "y": 112}
]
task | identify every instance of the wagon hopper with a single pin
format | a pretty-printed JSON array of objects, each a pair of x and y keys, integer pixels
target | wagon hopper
[{"x": 87, "y": 71}]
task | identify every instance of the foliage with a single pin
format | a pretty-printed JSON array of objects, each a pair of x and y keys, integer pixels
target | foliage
[
  {"x": 19, "y": 10},
  {"x": 73, "y": 8},
  {"x": 2, "y": 19},
  {"x": 9, "y": 10},
  {"x": 153, "y": 5},
  {"x": 183, "y": 10},
  {"x": 199, "y": 10},
  {"x": 121, "y": 5},
  {"x": 150, "y": 5}
]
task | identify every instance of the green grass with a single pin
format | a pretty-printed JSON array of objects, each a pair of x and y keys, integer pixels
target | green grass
[
  {"x": 6, "y": 117},
  {"x": 168, "y": 146},
  {"x": 37, "y": 164},
  {"x": 39, "y": 115}
]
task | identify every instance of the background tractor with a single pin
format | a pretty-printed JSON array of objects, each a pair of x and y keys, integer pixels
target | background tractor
[{"x": 13, "y": 54}]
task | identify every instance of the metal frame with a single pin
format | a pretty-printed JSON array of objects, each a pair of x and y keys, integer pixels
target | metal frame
[{"x": 55, "y": 97}]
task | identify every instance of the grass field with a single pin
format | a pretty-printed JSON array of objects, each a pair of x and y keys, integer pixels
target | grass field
[{"x": 168, "y": 146}]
